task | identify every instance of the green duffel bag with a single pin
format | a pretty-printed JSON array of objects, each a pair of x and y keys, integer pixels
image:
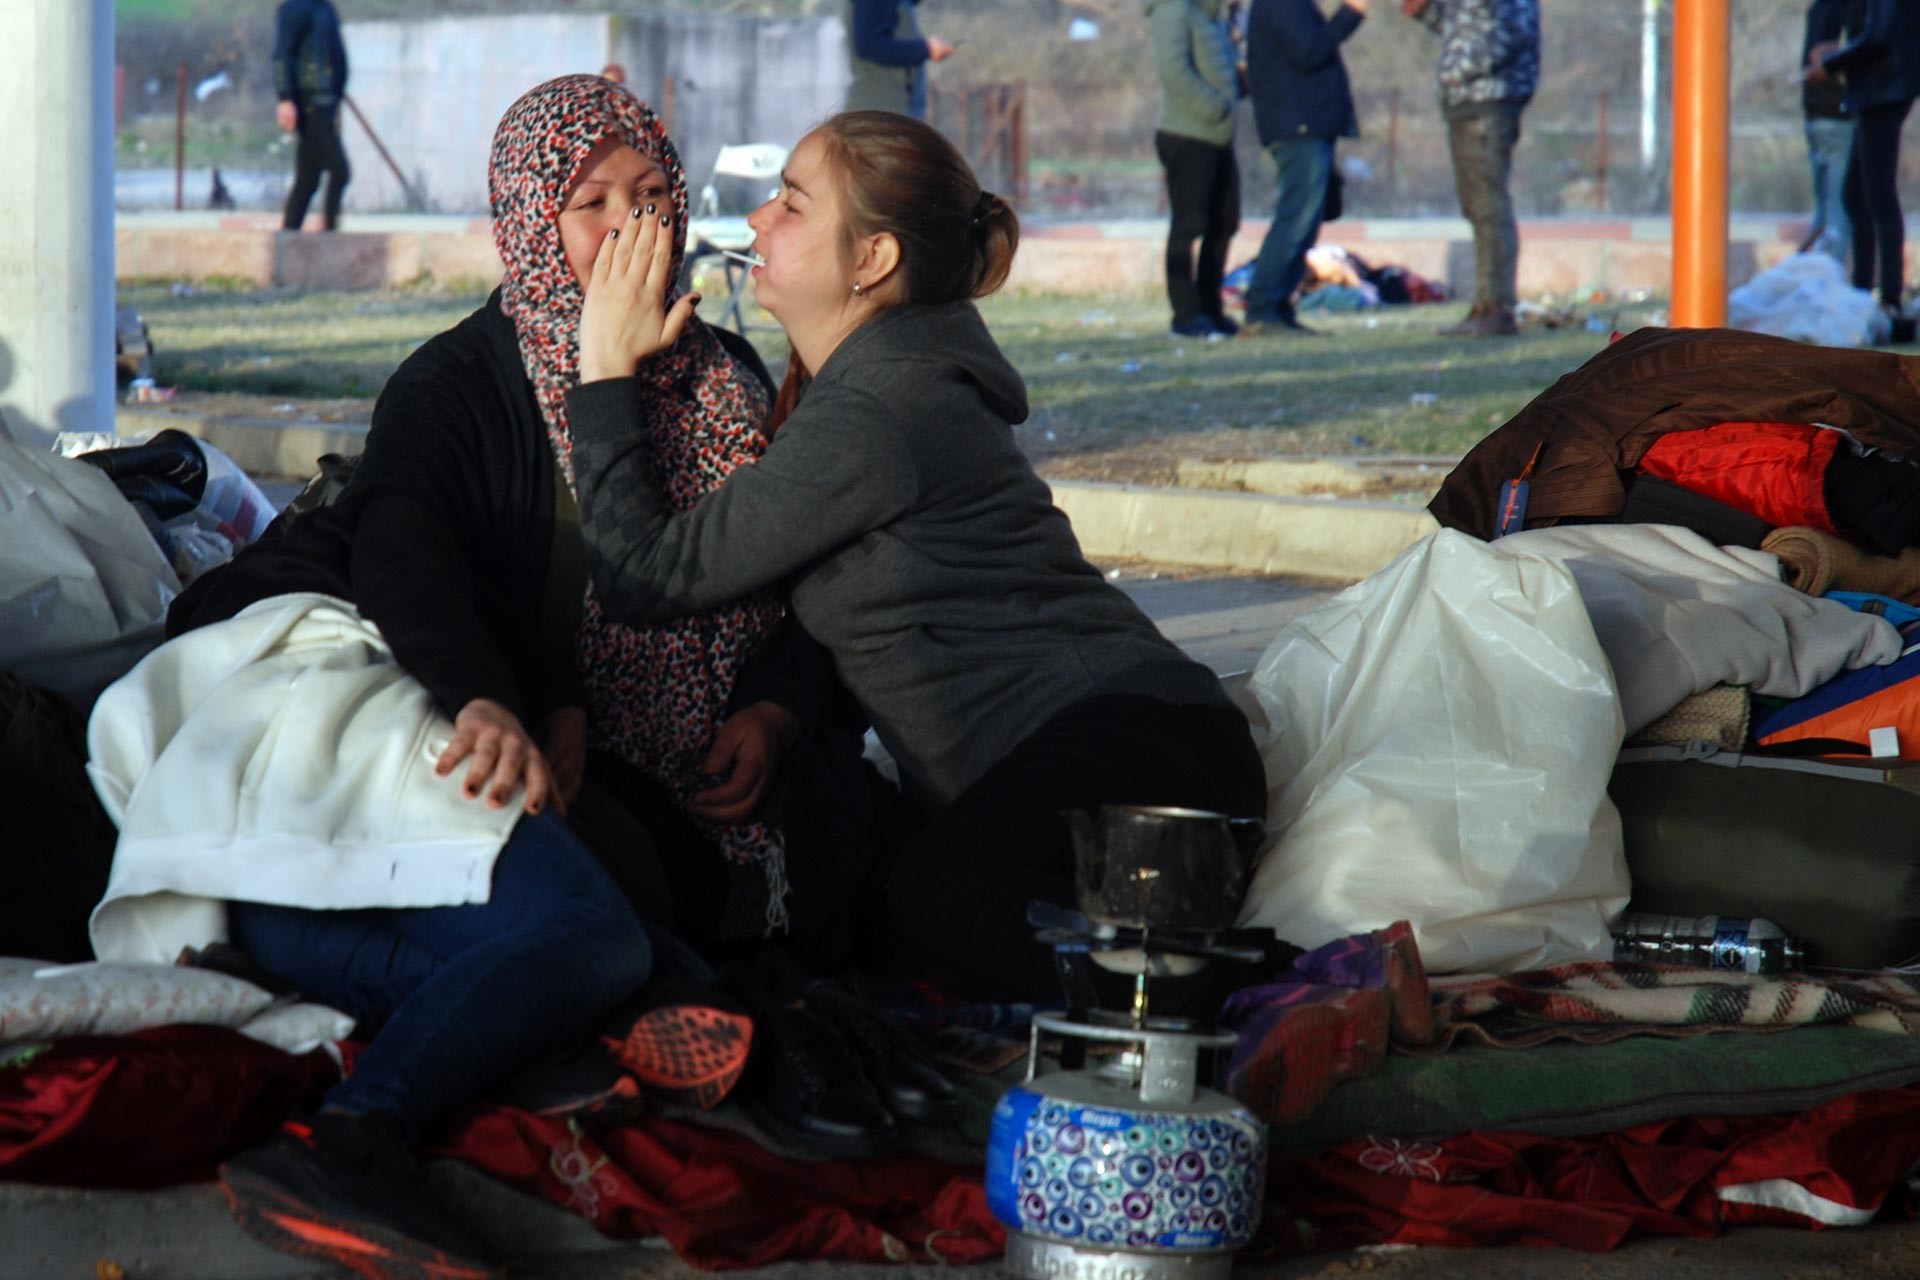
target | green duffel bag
[{"x": 1829, "y": 850}]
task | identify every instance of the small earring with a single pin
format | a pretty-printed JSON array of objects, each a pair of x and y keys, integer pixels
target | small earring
[{"x": 856, "y": 288}]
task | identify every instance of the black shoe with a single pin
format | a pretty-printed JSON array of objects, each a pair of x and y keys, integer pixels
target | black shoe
[
  {"x": 1228, "y": 326},
  {"x": 900, "y": 1068},
  {"x": 346, "y": 1189},
  {"x": 1197, "y": 327},
  {"x": 804, "y": 1086}
]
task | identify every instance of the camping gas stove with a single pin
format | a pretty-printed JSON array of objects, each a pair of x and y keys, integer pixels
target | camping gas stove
[{"x": 1129, "y": 1170}]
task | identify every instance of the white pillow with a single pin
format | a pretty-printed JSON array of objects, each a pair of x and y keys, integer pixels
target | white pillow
[
  {"x": 298, "y": 1028},
  {"x": 39, "y": 1001}
]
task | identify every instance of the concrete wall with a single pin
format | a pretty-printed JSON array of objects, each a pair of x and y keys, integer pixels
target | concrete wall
[{"x": 434, "y": 90}]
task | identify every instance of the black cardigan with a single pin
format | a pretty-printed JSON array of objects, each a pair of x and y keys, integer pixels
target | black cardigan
[{"x": 443, "y": 538}]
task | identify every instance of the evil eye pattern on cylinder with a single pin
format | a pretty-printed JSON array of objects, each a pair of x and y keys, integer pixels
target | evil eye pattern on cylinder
[{"x": 1106, "y": 1177}]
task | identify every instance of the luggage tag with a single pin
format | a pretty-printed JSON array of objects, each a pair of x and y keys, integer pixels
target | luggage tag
[{"x": 1512, "y": 510}]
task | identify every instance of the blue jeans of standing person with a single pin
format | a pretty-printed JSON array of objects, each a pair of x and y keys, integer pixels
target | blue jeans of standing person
[
  {"x": 1829, "y": 148},
  {"x": 1304, "y": 166},
  {"x": 1482, "y": 139},
  {"x": 459, "y": 998}
]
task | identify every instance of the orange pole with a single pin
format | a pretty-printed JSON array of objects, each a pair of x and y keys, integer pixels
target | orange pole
[{"x": 1702, "y": 51}]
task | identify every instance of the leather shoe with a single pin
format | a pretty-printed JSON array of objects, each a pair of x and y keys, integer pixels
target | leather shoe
[{"x": 900, "y": 1068}]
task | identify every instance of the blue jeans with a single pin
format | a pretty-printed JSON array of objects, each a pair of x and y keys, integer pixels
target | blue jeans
[
  {"x": 459, "y": 998},
  {"x": 1304, "y": 165},
  {"x": 1829, "y": 148}
]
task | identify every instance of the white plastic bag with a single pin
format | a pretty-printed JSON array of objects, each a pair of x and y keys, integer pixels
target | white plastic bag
[
  {"x": 1440, "y": 741},
  {"x": 83, "y": 588},
  {"x": 1808, "y": 298}
]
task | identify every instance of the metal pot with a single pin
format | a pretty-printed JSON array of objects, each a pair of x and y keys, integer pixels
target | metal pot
[{"x": 1153, "y": 867}]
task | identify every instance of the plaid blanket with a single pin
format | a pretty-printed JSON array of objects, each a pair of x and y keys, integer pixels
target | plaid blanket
[{"x": 1598, "y": 1001}]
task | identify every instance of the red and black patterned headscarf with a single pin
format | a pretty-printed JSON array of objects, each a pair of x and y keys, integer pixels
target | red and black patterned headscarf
[{"x": 655, "y": 694}]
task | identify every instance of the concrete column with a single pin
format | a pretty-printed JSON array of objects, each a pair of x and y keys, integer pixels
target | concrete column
[{"x": 56, "y": 217}]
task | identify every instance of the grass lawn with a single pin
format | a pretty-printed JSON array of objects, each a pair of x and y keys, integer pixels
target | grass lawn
[{"x": 1114, "y": 396}]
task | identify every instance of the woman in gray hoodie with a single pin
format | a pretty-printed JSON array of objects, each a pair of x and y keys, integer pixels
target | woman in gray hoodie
[{"x": 1006, "y": 676}]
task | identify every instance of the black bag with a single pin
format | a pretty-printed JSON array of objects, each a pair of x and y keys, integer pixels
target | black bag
[{"x": 58, "y": 845}]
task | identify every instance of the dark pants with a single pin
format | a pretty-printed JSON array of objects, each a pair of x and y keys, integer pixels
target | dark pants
[
  {"x": 459, "y": 998},
  {"x": 1873, "y": 201},
  {"x": 1482, "y": 141},
  {"x": 956, "y": 904},
  {"x": 1303, "y": 166},
  {"x": 1203, "y": 193},
  {"x": 319, "y": 151}
]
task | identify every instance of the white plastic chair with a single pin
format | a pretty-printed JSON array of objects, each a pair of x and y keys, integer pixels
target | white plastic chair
[{"x": 713, "y": 229}]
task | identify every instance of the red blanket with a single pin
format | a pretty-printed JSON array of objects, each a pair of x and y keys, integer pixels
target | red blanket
[
  {"x": 723, "y": 1202},
  {"x": 1836, "y": 1165},
  {"x": 149, "y": 1109}
]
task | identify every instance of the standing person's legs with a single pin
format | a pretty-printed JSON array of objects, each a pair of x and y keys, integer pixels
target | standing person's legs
[
  {"x": 307, "y": 163},
  {"x": 1829, "y": 147},
  {"x": 1878, "y": 157},
  {"x": 1303, "y": 166},
  {"x": 1189, "y": 167},
  {"x": 332, "y": 152},
  {"x": 462, "y": 996},
  {"x": 956, "y": 903},
  {"x": 1482, "y": 142},
  {"x": 1853, "y": 193},
  {"x": 1223, "y": 219}
]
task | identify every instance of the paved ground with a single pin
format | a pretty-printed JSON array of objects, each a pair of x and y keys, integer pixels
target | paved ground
[
  {"x": 185, "y": 1234},
  {"x": 1226, "y": 621}
]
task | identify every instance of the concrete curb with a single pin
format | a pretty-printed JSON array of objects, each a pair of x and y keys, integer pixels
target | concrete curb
[
  {"x": 258, "y": 446},
  {"x": 1329, "y": 539}
]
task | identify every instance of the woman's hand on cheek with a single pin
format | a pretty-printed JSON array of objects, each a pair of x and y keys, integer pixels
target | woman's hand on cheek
[{"x": 625, "y": 318}]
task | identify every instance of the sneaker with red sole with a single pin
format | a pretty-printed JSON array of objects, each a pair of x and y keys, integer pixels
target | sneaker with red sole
[
  {"x": 687, "y": 1045},
  {"x": 347, "y": 1190}
]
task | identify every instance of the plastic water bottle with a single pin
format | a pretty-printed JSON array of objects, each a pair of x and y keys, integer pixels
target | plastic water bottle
[{"x": 1738, "y": 943}]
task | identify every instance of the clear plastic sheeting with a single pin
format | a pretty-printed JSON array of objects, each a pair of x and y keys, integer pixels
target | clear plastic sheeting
[
  {"x": 1439, "y": 743},
  {"x": 1808, "y": 298},
  {"x": 83, "y": 589}
]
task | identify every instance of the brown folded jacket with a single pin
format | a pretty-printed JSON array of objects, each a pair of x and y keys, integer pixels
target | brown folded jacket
[{"x": 1597, "y": 421}]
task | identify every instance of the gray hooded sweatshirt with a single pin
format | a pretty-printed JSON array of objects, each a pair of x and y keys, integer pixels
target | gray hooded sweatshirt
[{"x": 916, "y": 541}]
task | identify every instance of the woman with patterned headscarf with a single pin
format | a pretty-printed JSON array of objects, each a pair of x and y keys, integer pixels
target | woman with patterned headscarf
[{"x": 452, "y": 564}]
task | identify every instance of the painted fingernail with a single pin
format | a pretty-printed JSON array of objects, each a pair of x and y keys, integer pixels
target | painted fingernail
[
  {"x": 636, "y": 211},
  {"x": 473, "y": 791},
  {"x": 499, "y": 797},
  {"x": 665, "y": 221},
  {"x": 534, "y": 807},
  {"x": 650, "y": 209},
  {"x": 614, "y": 234}
]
